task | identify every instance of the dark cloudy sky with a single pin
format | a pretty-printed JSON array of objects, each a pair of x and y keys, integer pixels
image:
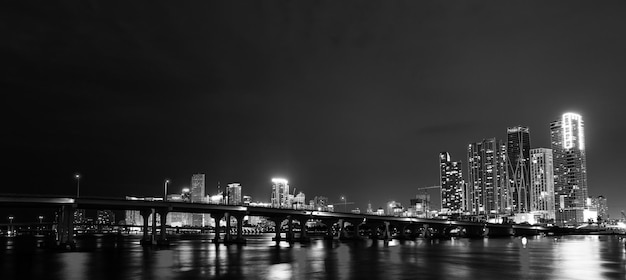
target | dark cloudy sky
[{"x": 352, "y": 98}]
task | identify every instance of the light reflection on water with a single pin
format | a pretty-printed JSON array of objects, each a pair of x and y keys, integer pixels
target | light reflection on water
[{"x": 570, "y": 257}]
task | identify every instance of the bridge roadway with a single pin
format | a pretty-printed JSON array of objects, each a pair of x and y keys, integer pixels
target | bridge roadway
[{"x": 378, "y": 226}]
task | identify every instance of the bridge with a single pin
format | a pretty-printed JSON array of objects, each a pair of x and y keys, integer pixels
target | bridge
[{"x": 338, "y": 225}]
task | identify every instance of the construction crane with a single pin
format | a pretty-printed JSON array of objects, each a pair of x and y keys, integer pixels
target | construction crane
[
  {"x": 425, "y": 197},
  {"x": 345, "y": 202},
  {"x": 427, "y": 188}
]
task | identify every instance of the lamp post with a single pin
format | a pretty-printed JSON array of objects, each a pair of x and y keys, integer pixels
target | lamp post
[
  {"x": 77, "y": 176},
  {"x": 11, "y": 225},
  {"x": 345, "y": 202},
  {"x": 40, "y": 222},
  {"x": 167, "y": 181}
]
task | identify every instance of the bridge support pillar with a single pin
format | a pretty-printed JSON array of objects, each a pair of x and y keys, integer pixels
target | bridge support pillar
[
  {"x": 329, "y": 229},
  {"x": 227, "y": 236},
  {"x": 342, "y": 229},
  {"x": 153, "y": 237},
  {"x": 386, "y": 233},
  {"x": 65, "y": 233},
  {"x": 289, "y": 234},
  {"x": 218, "y": 217},
  {"x": 278, "y": 221},
  {"x": 239, "y": 238},
  {"x": 149, "y": 238},
  {"x": 357, "y": 230},
  {"x": 303, "y": 235},
  {"x": 163, "y": 237}
]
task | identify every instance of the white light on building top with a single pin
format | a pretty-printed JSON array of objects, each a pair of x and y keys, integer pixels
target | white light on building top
[
  {"x": 279, "y": 181},
  {"x": 568, "y": 131}
]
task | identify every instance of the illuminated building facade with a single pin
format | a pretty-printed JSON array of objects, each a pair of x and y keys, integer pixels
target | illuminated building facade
[
  {"x": 105, "y": 217},
  {"x": 280, "y": 193},
  {"x": 570, "y": 169},
  {"x": 421, "y": 204},
  {"x": 487, "y": 178},
  {"x": 197, "y": 196},
  {"x": 600, "y": 205},
  {"x": 233, "y": 194},
  {"x": 518, "y": 168},
  {"x": 452, "y": 184},
  {"x": 542, "y": 183},
  {"x": 299, "y": 201}
]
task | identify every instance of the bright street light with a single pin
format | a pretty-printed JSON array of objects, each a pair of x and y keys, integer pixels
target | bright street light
[
  {"x": 167, "y": 181},
  {"x": 77, "y": 176}
]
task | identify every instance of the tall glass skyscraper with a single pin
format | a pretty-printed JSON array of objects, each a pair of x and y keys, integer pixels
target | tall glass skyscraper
[
  {"x": 452, "y": 184},
  {"x": 542, "y": 182},
  {"x": 570, "y": 168},
  {"x": 487, "y": 178},
  {"x": 518, "y": 167}
]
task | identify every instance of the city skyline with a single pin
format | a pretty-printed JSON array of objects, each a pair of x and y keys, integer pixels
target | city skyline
[{"x": 336, "y": 102}]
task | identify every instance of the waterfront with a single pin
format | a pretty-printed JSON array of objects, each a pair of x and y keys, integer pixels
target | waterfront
[{"x": 567, "y": 257}]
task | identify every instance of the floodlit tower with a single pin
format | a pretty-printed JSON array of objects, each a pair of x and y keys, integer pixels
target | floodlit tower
[
  {"x": 280, "y": 193},
  {"x": 570, "y": 168},
  {"x": 233, "y": 196}
]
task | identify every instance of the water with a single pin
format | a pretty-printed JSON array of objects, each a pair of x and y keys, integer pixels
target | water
[{"x": 568, "y": 257}]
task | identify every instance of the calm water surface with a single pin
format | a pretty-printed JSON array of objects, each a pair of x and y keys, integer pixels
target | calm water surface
[{"x": 570, "y": 257}]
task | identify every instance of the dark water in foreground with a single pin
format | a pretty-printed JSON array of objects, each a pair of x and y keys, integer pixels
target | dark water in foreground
[{"x": 568, "y": 257}]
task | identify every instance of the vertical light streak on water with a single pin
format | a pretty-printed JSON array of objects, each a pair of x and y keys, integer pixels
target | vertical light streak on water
[
  {"x": 577, "y": 258},
  {"x": 73, "y": 265}
]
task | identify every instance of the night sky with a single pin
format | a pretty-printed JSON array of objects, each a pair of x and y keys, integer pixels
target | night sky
[{"x": 353, "y": 98}]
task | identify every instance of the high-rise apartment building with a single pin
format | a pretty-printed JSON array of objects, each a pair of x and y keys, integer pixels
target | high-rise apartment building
[
  {"x": 487, "y": 178},
  {"x": 280, "y": 193},
  {"x": 570, "y": 169},
  {"x": 197, "y": 196},
  {"x": 233, "y": 194},
  {"x": 452, "y": 184},
  {"x": 518, "y": 168},
  {"x": 542, "y": 183}
]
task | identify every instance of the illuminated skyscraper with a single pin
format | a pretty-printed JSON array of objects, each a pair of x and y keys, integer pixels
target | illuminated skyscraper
[
  {"x": 542, "y": 182},
  {"x": 452, "y": 184},
  {"x": 487, "y": 186},
  {"x": 570, "y": 168},
  {"x": 197, "y": 196},
  {"x": 197, "y": 188},
  {"x": 518, "y": 168},
  {"x": 234, "y": 194},
  {"x": 280, "y": 193}
]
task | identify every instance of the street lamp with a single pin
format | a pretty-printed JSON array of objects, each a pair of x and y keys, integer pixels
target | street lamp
[
  {"x": 77, "y": 176},
  {"x": 11, "y": 225},
  {"x": 40, "y": 228},
  {"x": 167, "y": 181},
  {"x": 345, "y": 202}
]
